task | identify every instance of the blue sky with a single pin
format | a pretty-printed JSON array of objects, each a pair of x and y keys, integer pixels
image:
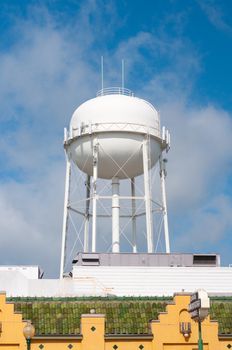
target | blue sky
[{"x": 178, "y": 56}]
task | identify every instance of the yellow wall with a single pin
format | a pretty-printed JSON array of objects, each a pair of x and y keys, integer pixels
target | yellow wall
[
  {"x": 167, "y": 334},
  {"x": 55, "y": 344},
  {"x": 93, "y": 330},
  {"x": 11, "y": 336},
  {"x": 165, "y": 331},
  {"x": 224, "y": 343},
  {"x": 128, "y": 344}
]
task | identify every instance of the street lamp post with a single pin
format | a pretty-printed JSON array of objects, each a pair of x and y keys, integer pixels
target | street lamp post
[
  {"x": 200, "y": 341},
  {"x": 29, "y": 332},
  {"x": 199, "y": 310}
]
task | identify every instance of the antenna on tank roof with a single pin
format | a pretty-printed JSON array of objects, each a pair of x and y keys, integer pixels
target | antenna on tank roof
[
  {"x": 102, "y": 73},
  {"x": 123, "y": 73}
]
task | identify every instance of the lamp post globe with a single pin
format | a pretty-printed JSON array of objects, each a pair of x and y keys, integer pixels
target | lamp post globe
[{"x": 29, "y": 332}]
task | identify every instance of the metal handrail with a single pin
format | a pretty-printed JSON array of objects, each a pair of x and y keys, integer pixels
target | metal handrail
[
  {"x": 109, "y": 126},
  {"x": 90, "y": 128},
  {"x": 115, "y": 91},
  {"x": 119, "y": 91}
]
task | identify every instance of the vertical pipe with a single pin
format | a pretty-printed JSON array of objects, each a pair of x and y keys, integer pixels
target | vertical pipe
[
  {"x": 147, "y": 197},
  {"x": 65, "y": 216},
  {"x": 86, "y": 232},
  {"x": 95, "y": 168},
  {"x": 133, "y": 206},
  {"x": 115, "y": 215},
  {"x": 164, "y": 203},
  {"x": 28, "y": 341},
  {"x": 200, "y": 341}
]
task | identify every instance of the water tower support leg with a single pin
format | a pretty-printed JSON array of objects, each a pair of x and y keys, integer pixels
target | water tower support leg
[
  {"x": 115, "y": 215},
  {"x": 95, "y": 170},
  {"x": 65, "y": 217},
  {"x": 147, "y": 192},
  {"x": 86, "y": 233},
  {"x": 133, "y": 205},
  {"x": 164, "y": 203}
]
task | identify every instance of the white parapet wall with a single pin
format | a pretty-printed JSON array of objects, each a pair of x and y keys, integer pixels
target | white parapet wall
[
  {"x": 30, "y": 272},
  {"x": 153, "y": 280},
  {"x": 120, "y": 281}
]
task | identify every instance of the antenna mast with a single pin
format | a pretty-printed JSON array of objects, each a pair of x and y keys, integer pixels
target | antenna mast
[
  {"x": 123, "y": 73},
  {"x": 102, "y": 73}
]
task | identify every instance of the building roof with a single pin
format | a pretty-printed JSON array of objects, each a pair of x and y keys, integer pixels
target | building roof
[
  {"x": 124, "y": 316},
  {"x": 221, "y": 311}
]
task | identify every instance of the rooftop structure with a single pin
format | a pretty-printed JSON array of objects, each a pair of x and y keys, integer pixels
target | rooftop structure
[
  {"x": 138, "y": 275},
  {"x": 30, "y": 272},
  {"x": 145, "y": 259}
]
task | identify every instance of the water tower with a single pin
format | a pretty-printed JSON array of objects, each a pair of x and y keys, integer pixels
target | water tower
[{"x": 115, "y": 136}]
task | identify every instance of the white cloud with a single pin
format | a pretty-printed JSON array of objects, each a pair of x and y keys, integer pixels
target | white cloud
[
  {"x": 201, "y": 152},
  {"x": 215, "y": 15},
  {"x": 43, "y": 79},
  {"x": 31, "y": 219}
]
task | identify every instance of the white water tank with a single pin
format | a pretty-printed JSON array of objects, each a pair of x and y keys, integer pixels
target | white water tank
[{"x": 118, "y": 123}]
